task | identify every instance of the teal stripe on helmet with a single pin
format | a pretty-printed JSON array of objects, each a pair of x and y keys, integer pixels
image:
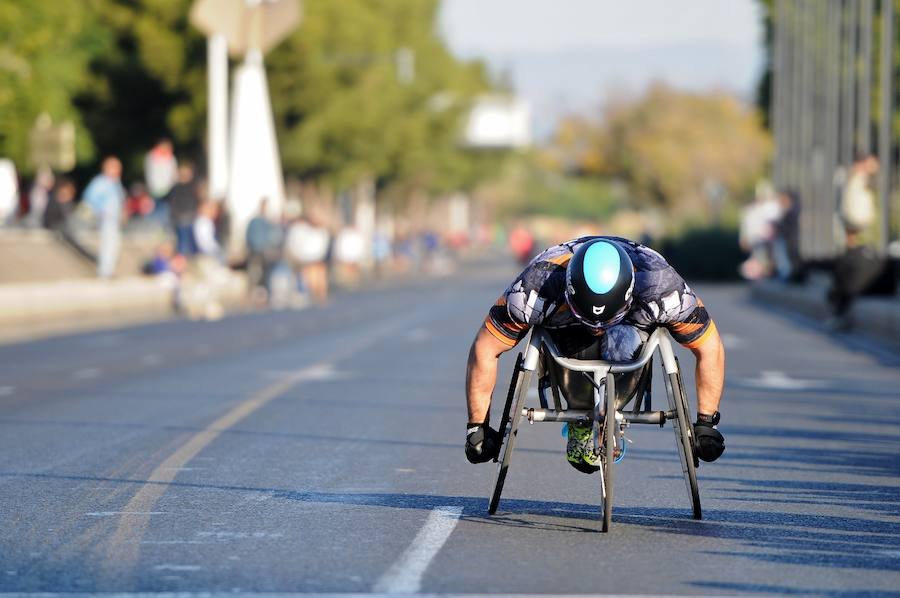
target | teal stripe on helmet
[{"x": 601, "y": 267}]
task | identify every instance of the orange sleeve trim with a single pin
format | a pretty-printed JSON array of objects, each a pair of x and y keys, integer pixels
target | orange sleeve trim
[
  {"x": 703, "y": 337},
  {"x": 497, "y": 334}
]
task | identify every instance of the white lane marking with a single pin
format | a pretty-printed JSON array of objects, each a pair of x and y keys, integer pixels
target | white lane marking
[
  {"x": 780, "y": 381},
  {"x": 315, "y": 373},
  {"x": 120, "y": 513},
  {"x": 418, "y": 335},
  {"x": 405, "y": 575},
  {"x": 151, "y": 359},
  {"x": 168, "y": 567},
  {"x": 87, "y": 373},
  {"x": 404, "y": 470},
  {"x": 732, "y": 341},
  {"x": 5, "y": 391}
]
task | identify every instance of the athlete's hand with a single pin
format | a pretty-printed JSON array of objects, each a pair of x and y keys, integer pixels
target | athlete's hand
[
  {"x": 482, "y": 443},
  {"x": 709, "y": 444}
]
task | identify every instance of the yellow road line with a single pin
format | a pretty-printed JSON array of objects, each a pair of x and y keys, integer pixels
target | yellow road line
[{"x": 124, "y": 547}]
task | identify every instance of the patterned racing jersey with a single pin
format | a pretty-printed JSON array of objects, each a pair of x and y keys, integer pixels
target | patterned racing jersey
[{"x": 537, "y": 298}]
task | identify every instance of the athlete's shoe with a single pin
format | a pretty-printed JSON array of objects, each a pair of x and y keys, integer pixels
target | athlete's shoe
[{"x": 580, "y": 449}]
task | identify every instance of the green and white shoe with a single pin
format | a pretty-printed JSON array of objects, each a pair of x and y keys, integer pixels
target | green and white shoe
[{"x": 580, "y": 449}]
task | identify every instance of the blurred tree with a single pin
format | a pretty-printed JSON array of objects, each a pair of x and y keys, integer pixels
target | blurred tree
[
  {"x": 367, "y": 89},
  {"x": 363, "y": 90},
  {"x": 45, "y": 48},
  {"x": 150, "y": 81},
  {"x": 680, "y": 151}
]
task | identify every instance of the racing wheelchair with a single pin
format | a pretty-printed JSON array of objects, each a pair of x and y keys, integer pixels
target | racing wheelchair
[{"x": 608, "y": 417}]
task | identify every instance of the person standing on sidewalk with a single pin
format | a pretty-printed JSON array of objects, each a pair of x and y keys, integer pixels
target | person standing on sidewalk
[
  {"x": 183, "y": 203},
  {"x": 106, "y": 197},
  {"x": 160, "y": 174},
  {"x": 860, "y": 266}
]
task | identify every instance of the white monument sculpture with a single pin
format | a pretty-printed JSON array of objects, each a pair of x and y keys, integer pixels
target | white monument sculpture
[{"x": 244, "y": 167}]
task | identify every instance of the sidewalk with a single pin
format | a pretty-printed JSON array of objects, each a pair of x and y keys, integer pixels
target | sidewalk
[
  {"x": 874, "y": 317},
  {"x": 38, "y": 309}
]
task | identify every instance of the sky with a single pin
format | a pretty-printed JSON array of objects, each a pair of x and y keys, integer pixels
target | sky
[{"x": 568, "y": 55}]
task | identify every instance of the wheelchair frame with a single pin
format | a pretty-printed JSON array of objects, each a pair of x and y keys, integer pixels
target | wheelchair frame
[{"x": 601, "y": 374}]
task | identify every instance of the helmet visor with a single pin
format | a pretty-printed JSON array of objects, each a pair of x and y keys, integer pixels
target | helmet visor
[{"x": 595, "y": 325}]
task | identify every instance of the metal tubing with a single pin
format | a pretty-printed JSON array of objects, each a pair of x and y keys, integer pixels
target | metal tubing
[
  {"x": 578, "y": 416},
  {"x": 532, "y": 354},
  {"x": 596, "y": 366},
  {"x": 652, "y": 417}
]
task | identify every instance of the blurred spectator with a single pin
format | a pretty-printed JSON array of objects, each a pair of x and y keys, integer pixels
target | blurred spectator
[
  {"x": 263, "y": 248},
  {"x": 223, "y": 224},
  {"x": 349, "y": 252},
  {"x": 786, "y": 244},
  {"x": 105, "y": 196},
  {"x": 59, "y": 215},
  {"x": 858, "y": 203},
  {"x": 183, "y": 201},
  {"x": 205, "y": 231},
  {"x": 757, "y": 231},
  {"x": 160, "y": 169},
  {"x": 521, "y": 243},
  {"x": 9, "y": 191},
  {"x": 307, "y": 249},
  {"x": 60, "y": 206},
  {"x": 139, "y": 203},
  {"x": 39, "y": 196},
  {"x": 860, "y": 266}
]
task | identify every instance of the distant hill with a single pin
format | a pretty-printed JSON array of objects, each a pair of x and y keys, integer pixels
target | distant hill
[{"x": 578, "y": 80}]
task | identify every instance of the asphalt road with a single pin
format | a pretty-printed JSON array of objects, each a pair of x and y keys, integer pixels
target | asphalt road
[{"x": 321, "y": 451}]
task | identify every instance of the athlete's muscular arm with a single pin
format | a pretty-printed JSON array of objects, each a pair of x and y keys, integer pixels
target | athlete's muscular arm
[
  {"x": 481, "y": 373},
  {"x": 710, "y": 373}
]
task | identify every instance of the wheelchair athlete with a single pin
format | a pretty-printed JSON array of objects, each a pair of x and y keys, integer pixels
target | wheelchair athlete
[{"x": 598, "y": 298}]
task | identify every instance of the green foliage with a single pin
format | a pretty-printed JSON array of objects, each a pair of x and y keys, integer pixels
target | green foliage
[
  {"x": 149, "y": 83},
  {"x": 572, "y": 197},
  {"x": 345, "y": 110},
  {"x": 671, "y": 148},
  {"x": 45, "y": 48},
  {"x": 130, "y": 71}
]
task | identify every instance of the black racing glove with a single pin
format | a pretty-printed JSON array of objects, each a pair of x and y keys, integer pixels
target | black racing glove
[
  {"x": 482, "y": 443},
  {"x": 709, "y": 444}
]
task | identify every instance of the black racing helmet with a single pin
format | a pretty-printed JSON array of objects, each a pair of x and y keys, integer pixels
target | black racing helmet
[{"x": 599, "y": 282}]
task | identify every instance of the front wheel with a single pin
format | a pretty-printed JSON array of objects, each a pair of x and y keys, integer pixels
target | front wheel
[
  {"x": 509, "y": 426},
  {"x": 684, "y": 440},
  {"x": 609, "y": 452}
]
